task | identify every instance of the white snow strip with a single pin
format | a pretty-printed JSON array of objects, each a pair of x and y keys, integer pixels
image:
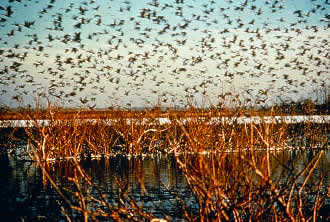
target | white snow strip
[{"x": 163, "y": 120}]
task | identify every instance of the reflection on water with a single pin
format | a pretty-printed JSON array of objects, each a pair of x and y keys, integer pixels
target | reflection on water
[
  {"x": 23, "y": 194},
  {"x": 289, "y": 163},
  {"x": 157, "y": 183}
]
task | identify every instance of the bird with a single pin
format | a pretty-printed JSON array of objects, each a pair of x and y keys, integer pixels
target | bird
[{"x": 143, "y": 46}]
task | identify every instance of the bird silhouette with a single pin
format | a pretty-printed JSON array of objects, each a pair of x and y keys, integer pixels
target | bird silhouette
[{"x": 106, "y": 48}]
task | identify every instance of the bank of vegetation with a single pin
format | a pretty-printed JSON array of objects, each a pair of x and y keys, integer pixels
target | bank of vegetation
[
  {"x": 230, "y": 174},
  {"x": 91, "y": 134}
]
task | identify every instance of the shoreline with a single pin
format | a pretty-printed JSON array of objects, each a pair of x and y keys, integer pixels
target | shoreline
[
  {"x": 321, "y": 119},
  {"x": 285, "y": 147}
]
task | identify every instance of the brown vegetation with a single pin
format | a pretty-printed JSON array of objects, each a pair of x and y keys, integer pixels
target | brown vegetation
[
  {"x": 226, "y": 187},
  {"x": 137, "y": 133},
  {"x": 233, "y": 182}
]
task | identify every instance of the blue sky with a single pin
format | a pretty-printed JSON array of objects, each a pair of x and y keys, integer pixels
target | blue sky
[{"x": 142, "y": 53}]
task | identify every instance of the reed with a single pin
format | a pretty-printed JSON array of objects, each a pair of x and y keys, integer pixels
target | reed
[
  {"x": 69, "y": 134},
  {"x": 139, "y": 133},
  {"x": 240, "y": 187},
  {"x": 69, "y": 138},
  {"x": 226, "y": 187},
  {"x": 202, "y": 134},
  {"x": 234, "y": 181},
  {"x": 84, "y": 200}
]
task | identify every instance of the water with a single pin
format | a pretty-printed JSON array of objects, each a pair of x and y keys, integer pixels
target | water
[{"x": 26, "y": 194}]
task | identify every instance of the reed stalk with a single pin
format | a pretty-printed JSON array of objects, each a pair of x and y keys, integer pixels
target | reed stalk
[{"x": 73, "y": 134}]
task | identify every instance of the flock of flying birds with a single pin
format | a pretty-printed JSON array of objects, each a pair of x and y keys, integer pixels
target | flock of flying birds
[{"x": 125, "y": 53}]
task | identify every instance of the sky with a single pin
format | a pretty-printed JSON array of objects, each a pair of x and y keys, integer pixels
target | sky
[{"x": 104, "y": 53}]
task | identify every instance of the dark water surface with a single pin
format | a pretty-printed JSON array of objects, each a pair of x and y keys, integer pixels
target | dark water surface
[{"x": 27, "y": 196}]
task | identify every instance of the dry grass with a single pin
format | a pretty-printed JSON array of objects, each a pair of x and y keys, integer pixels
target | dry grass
[
  {"x": 240, "y": 188},
  {"x": 233, "y": 182},
  {"x": 73, "y": 134},
  {"x": 83, "y": 201},
  {"x": 226, "y": 187}
]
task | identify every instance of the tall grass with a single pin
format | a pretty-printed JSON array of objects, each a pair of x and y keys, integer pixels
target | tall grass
[
  {"x": 240, "y": 187},
  {"x": 225, "y": 186},
  {"x": 232, "y": 182},
  {"x": 65, "y": 138},
  {"x": 140, "y": 133}
]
